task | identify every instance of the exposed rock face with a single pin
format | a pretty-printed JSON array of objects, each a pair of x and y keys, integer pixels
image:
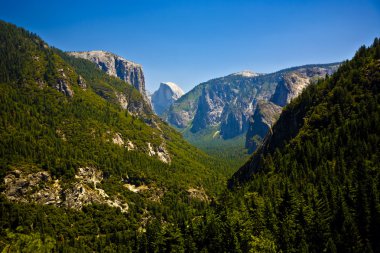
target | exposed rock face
[
  {"x": 260, "y": 123},
  {"x": 117, "y": 66},
  {"x": 288, "y": 88},
  {"x": 82, "y": 83},
  {"x": 63, "y": 85},
  {"x": 135, "y": 189},
  {"x": 122, "y": 100},
  {"x": 232, "y": 125},
  {"x": 245, "y": 73},
  {"x": 152, "y": 192},
  {"x": 160, "y": 151},
  {"x": 233, "y": 122},
  {"x": 292, "y": 83},
  {"x": 39, "y": 187},
  {"x": 117, "y": 139},
  {"x": 163, "y": 154},
  {"x": 198, "y": 194},
  {"x": 227, "y": 103},
  {"x": 164, "y": 97},
  {"x": 130, "y": 146},
  {"x": 210, "y": 108},
  {"x": 19, "y": 187},
  {"x": 181, "y": 118}
]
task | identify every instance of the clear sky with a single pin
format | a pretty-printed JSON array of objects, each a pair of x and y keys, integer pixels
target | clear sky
[{"x": 188, "y": 42}]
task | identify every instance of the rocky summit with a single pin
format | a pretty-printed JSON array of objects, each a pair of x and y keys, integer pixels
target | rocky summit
[
  {"x": 117, "y": 66},
  {"x": 165, "y": 96}
]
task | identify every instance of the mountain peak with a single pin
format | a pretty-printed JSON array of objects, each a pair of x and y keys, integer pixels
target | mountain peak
[
  {"x": 104, "y": 55},
  {"x": 174, "y": 87},
  {"x": 165, "y": 96},
  {"x": 245, "y": 73}
]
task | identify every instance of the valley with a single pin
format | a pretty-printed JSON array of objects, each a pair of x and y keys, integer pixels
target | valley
[{"x": 249, "y": 162}]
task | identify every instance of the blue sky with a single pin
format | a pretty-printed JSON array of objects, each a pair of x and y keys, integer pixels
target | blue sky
[{"x": 188, "y": 42}]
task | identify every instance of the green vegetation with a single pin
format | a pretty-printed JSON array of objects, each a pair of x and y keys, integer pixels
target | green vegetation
[
  {"x": 230, "y": 152},
  {"x": 312, "y": 187},
  {"x": 59, "y": 133},
  {"x": 45, "y": 127}
]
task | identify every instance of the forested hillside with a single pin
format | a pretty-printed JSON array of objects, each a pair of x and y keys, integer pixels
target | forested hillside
[
  {"x": 79, "y": 144},
  {"x": 314, "y": 184},
  {"x": 86, "y": 167}
]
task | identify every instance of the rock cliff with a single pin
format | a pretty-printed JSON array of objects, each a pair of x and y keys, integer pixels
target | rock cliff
[
  {"x": 39, "y": 187},
  {"x": 117, "y": 66},
  {"x": 260, "y": 123},
  {"x": 165, "y": 96},
  {"x": 292, "y": 83},
  {"x": 227, "y": 104}
]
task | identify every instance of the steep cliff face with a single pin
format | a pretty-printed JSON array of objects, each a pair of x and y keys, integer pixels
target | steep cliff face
[
  {"x": 292, "y": 83},
  {"x": 228, "y": 103},
  {"x": 289, "y": 87},
  {"x": 210, "y": 107},
  {"x": 165, "y": 96},
  {"x": 260, "y": 123},
  {"x": 117, "y": 66},
  {"x": 225, "y": 103},
  {"x": 234, "y": 122}
]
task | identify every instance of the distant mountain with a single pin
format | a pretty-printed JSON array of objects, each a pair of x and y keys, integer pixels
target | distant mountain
[
  {"x": 165, "y": 96},
  {"x": 211, "y": 102},
  {"x": 117, "y": 66},
  {"x": 226, "y": 105}
]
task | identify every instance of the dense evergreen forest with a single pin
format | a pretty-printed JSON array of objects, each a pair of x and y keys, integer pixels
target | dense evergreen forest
[
  {"x": 313, "y": 186},
  {"x": 59, "y": 113}
]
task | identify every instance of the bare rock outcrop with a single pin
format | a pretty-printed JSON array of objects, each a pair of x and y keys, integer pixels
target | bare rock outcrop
[
  {"x": 62, "y": 84},
  {"x": 117, "y": 66},
  {"x": 160, "y": 152},
  {"x": 39, "y": 187}
]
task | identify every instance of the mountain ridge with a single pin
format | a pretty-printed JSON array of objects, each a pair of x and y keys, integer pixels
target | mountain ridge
[{"x": 227, "y": 104}]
